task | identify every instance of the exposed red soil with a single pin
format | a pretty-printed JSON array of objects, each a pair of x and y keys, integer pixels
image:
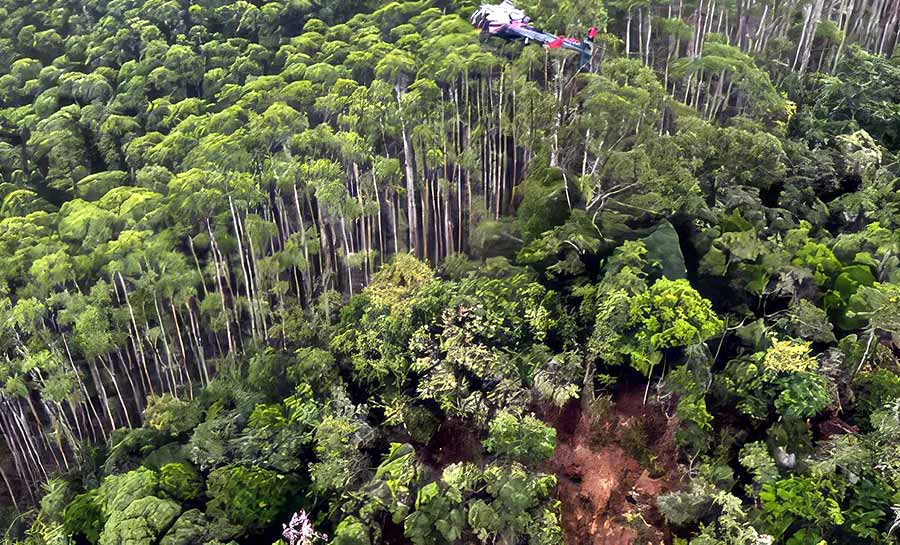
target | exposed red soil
[
  {"x": 607, "y": 497},
  {"x": 829, "y": 424}
]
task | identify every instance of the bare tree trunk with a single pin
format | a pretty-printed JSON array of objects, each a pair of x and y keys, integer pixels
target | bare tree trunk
[
  {"x": 741, "y": 25},
  {"x": 425, "y": 208},
  {"x": 22, "y": 458},
  {"x": 395, "y": 207},
  {"x": 112, "y": 377},
  {"x": 81, "y": 384},
  {"x": 98, "y": 382},
  {"x": 172, "y": 364},
  {"x": 136, "y": 339},
  {"x": 134, "y": 392},
  {"x": 21, "y": 462},
  {"x": 381, "y": 248},
  {"x": 807, "y": 17},
  {"x": 198, "y": 343},
  {"x": 258, "y": 292},
  {"x": 843, "y": 24},
  {"x": 247, "y": 285},
  {"x": 32, "y": 450},
  {"x": 887, "y": 35},
  {"x": 180, "y": 336},
  {"x": 698, "y": 32},
  {"x": 346, "y": 253},
  {"x": 306, "y": 275},
  {"x": 628, "y": 34},
  {"x": 219, "y": 272},
  {"x": 811, "y": 35},
  {"x": 409, "y": 165},
  {"x": 9, "y": 488},
  {"x": 132, "y": 367},
  {"x": 760, "y": 31},
  {"x": 874, "y": 20},
  {"x": 502, "y": 170},
  {"x": 364, "y": 234},
  {"x": 197, "y": 264}
]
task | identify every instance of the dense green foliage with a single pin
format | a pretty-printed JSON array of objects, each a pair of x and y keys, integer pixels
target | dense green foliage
[{"x": 343, "y": 257}]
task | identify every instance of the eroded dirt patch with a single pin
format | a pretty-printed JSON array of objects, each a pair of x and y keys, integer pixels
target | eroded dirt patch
[{"x": 611, "y": 467}]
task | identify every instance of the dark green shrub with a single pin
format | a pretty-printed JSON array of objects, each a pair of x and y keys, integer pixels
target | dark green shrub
[
  {"x": 249, "y": 497},
  {"x": 544, "y": 204},
  {"x": 873, "y": 390},
  {"x": 84, "y": 516},
  {"x": 351, "y": 531},
  {"x": 180, "y": 482},
  {"x": 129, "y": 447},
  {"x": 266, "y": 373},
  {"x": 315, "y": 367}
]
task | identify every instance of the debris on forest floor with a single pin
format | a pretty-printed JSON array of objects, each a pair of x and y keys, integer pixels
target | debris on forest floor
[
  {"x": 611, "y": 466},
  {"x": 453, "y": 442}
]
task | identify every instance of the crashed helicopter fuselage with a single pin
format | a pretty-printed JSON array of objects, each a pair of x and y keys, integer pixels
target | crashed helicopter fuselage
[{"x": 506, "y": 21}]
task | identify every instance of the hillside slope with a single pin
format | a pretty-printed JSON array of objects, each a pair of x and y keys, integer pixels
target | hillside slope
[{"x": 354, "y": 259}]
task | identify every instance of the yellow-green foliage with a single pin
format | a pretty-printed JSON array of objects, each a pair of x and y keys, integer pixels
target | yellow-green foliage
[
  {"x": 397, "y": 281},
  {"x": 637, "y": 328},
  {"x": 169, "y": 414},
  {"x": 118, "y": 491},
  {"x": 524, "y": 439},
  {"x": 787, "y": 356},
  {"x": 141, "y": 523},
  {"x": 671, "y": 313}
]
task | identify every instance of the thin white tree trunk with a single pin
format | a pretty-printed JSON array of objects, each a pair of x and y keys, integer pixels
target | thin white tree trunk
[
  {"x": 139, "y": 346},
  {"x": 408, "y": 164},
  {"x": 219, "y": 273}
]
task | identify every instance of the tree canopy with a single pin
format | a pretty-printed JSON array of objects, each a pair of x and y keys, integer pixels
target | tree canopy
[{"x": 349, "y": 271}]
